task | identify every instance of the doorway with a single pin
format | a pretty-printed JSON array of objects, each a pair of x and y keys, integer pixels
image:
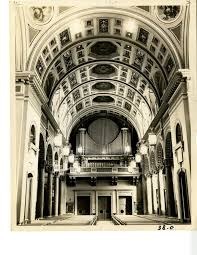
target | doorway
[
  {"x": 83, "y": 205},
  {"x": 185, "y": 213},
  {"x": 104, "y": 207},
  {"x": 125, "y": 205}
]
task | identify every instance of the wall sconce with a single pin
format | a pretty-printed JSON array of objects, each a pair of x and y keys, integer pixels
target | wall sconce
[{"x": 58, "y": 140}]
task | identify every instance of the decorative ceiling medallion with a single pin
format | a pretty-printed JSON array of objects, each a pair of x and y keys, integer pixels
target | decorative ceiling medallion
[
  {"x": 41, "y": 15},
  {"x": 103, "y": 48},
  {"x": 103, "y": 69},
  {"x": 103, "y": 99},
  {"x": 103, "y": 86},
  {"x": 168, "y": 13}
]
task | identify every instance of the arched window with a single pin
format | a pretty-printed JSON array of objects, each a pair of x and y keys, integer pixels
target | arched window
[
  {"x": 56, "y": 158},
  {"x": 178, "y": 133},
  {"x": 49, "y": 157},
  {"x": 61, "y": 164},
  {"x": 32, "y": 137}
]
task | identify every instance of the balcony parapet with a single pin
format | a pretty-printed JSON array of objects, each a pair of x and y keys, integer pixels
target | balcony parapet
[{"x": 104, "y": 171}]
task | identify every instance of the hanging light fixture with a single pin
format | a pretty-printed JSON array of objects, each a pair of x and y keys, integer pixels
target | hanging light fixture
[
  {"x": 66, "y": 150},
  {"x": 138, "y": 157},
  {"x": 71, "y": 157},
  {"x": 143, "y": 149},
  {"x": 152, "y": 138},
  {"x": 58, "y": 140}
]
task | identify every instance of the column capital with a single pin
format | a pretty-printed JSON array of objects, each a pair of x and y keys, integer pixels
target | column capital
[
  {"x": 82, "y": 129},
  {"x": 148, "y": 174},
  {"x": 124, "y": 129},
  {"x": 156, "y": 170},
  {"x": 56, "y": 174},
  {"x": 48, "y": 168},
  {"x": 186, "y": 73}
]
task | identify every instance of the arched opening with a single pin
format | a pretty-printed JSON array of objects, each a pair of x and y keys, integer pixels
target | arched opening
[
  {"x": 48, "y": 188},
  {"x": 61, "y": 164},
  {"x": 56, "y": 158},
  {"x": 41, "y": 173},
  {"x": 178, "y": 133},
  {"x": 32, "y": 137},
  {"x": 28, "y": 198},
  {"x": 169, "y": 165},
  {"x": 184, "y": 199},
  {"x": 103, "y": 134}
]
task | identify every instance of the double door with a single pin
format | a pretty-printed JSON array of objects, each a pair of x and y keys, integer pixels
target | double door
[{"x": 104, "y": 207}]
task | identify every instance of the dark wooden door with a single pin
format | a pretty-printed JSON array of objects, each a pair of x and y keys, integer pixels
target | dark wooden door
[
  {"x": 83, "y": 205},
  {"x": 104, "y": 207}
]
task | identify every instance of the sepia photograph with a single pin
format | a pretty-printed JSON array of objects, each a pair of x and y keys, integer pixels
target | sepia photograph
[{"x": 103, "y": 115}]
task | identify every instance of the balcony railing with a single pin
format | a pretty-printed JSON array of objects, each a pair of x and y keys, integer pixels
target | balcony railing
[{"x": 113, "y": 170}]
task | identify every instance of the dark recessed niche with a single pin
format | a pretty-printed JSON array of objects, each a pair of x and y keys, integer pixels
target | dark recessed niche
[
  {"x": 103, "y": 48},
  {"x": 103, "y": 86},
  {"x": 103, "y": 69},
  {"x": 103, "y": 99}
]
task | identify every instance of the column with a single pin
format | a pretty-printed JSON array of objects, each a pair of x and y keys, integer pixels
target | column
[
  {"x": 27, "y": 201},
  {"x": 113, "y": 201},
  {"x": 124, "y": 138},
  {"x": 75, "y": 202},
  {"x": 56, "y": 193},
  {"x": 156, "y": 192},
  {"x": 50, "y": 190},
  {"x": 144, "y": 194},
  {"x": 162, "y": 188},
  {"x": 117, "y": 203},
  {"x": 149, "y": 193},
  {"x": 139, "y": 196},
  {"x": 93, "y": 200},
  {"x": 62, "y": 196},
  {"x": 41, "y": 192},
  {"x": 82, "y": 139}
]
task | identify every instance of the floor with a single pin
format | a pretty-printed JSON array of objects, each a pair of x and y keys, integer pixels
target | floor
[{"x": 83, "y": 221}]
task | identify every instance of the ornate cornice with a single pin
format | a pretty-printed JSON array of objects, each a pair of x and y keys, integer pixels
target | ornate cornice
[
  {"x": 30, "y": 78},
  {"x": 172, "y": 87}
]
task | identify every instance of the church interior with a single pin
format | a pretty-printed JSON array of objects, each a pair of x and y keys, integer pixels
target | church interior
[{"x": 104, "y": 113}]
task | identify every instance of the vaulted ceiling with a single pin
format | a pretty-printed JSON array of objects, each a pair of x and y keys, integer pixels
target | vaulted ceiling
[{"x": 114, "y": 59}]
